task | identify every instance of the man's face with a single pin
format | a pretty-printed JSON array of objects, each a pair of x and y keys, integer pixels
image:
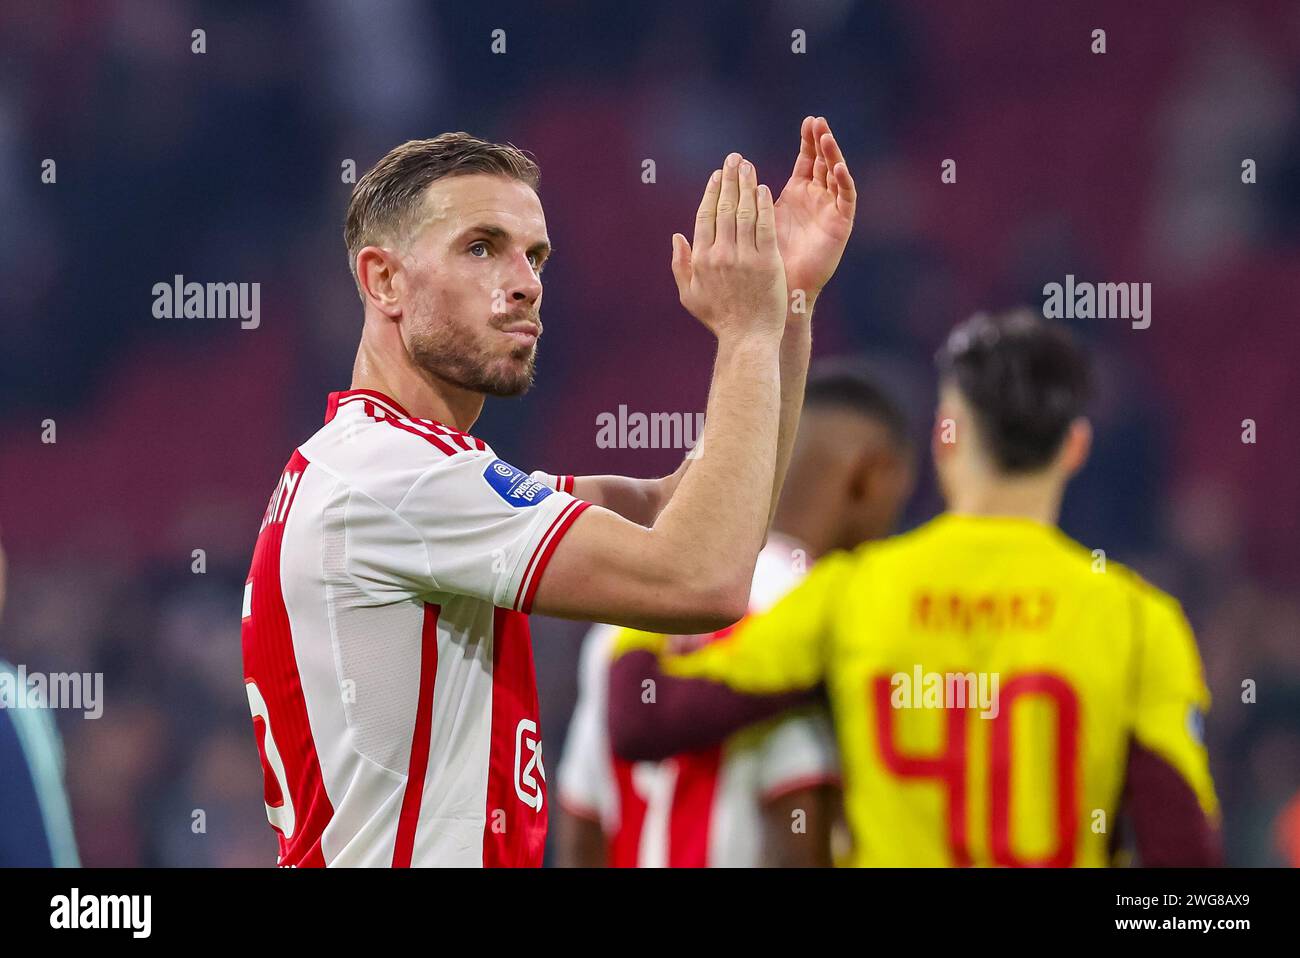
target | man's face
[
  {"x": 472, "y": 290},
  {"x": 883, "y": 489}
]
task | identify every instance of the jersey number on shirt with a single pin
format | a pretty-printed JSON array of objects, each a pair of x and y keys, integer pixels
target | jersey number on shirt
[
  {"x": 950, "y": 767},
  {"x": 279, "y": 809},
  {"x": 655, "y": 783}
]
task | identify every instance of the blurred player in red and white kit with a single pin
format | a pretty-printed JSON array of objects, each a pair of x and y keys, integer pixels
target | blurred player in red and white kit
[
  {"x": 736, "y": 805},
  {"x": 387, "y": 657}
]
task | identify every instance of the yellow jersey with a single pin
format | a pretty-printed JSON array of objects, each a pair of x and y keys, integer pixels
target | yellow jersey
[{"x": 986, "y": 677}]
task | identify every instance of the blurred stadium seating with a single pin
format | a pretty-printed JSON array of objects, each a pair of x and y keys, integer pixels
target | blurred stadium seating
[{"x": 226, "y": 166}]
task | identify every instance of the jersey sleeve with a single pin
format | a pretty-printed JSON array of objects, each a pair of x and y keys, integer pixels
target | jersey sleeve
[
  {"x": 1172, "y": 698},
  {"x": 799, "y": 752},
  {"x": 585, "y": 777},
  {"x": 780, "y": 650},
  {"x": 559, "y": 482},
  {"x": 470, "y": 524}
]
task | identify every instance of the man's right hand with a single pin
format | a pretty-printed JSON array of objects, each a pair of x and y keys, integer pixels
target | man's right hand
[{"x": 732, "y": 278}]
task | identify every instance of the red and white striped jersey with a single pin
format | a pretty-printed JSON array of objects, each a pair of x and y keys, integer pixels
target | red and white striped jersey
[
  {"x": 387, "y": 656},
  {"x": 700, "y": 809}
]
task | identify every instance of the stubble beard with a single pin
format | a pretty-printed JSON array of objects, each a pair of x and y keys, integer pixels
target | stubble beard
[{"x": 450, "y": 353}]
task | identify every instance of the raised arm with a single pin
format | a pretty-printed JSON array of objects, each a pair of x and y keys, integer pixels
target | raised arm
[
  {"x": 764, "y": 665},
  {"x": 688, "y": 714},
  {"x": 1168, "y": 792},
  {"x": 814, "y": 218},
  {"x": 639, "y": 500},
  {"x": 690, "y": 572}
]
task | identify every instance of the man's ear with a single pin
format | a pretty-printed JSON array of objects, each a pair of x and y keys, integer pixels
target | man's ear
[
  {"x": 902, "y": 467},
  {"x": 1077, "y": 446},
  {"x": 943, "y": 435},
  {"x": 377, "y": 270},
  {"x": 862, "y": 478}
]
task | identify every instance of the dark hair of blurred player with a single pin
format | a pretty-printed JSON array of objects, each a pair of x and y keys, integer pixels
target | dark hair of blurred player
[
  {"x": 1019, "y": 386},
  {"x": 853, "y": 467}
]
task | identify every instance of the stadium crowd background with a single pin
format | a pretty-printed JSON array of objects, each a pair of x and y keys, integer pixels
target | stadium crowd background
[{"x": 226, "y": 166}]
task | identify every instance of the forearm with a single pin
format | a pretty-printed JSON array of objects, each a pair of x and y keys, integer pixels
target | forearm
[
  {"x": 640, "y": 500},
  {"x": 682, "y": 715},
  {"x": 691, "y": 571},
  {"x": 581, "y": 842},
  {"x": 637, "y": 500},
  {"x": 1170, "y": 826},
  {"x": 727, "y": 489},
  {"x": 809, "y": 846},
  {"x": 796, "y": 347}
]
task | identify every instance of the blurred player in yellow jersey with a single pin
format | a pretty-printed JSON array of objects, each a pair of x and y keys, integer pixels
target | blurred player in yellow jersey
[{"x": 1001, "y": 695}]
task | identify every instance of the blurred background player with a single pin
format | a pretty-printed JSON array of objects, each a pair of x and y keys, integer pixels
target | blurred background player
[
  {"x": 1097, "y": 696},
  {"x": 35, "y": 823},
  {"x": 735, "y": 803}
]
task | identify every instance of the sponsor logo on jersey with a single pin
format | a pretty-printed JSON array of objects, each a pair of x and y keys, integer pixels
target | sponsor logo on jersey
[
  {"x": 528, "y": 765},
  {"x": 514, "y": 485}
]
